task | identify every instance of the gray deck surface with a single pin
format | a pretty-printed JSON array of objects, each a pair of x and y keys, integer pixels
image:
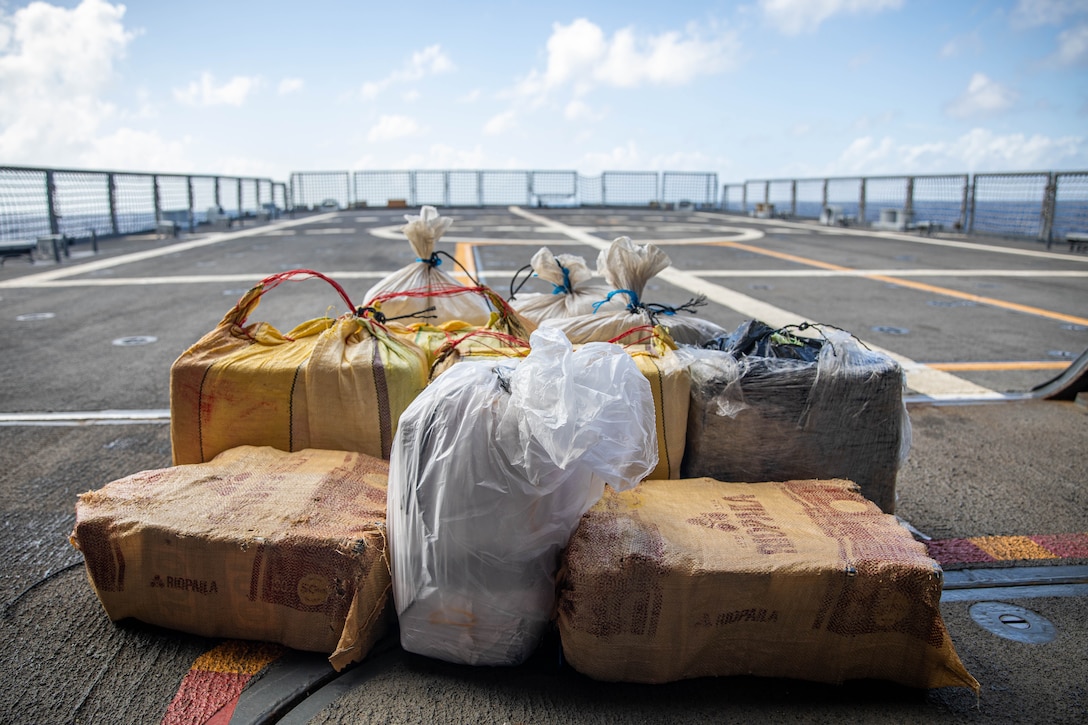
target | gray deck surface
[{"x": 973, "y": 320}]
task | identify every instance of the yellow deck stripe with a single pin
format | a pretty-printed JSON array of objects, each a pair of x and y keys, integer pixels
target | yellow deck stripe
[
  {"x": 463, "y": 254},
  {"x": 922, "y": 286}
]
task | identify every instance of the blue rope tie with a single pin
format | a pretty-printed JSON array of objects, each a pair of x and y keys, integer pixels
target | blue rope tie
[
  {"x": 565, "y": 288},
  {"x": 632, "y": 299},
  {"x": 434, "y": 261}
]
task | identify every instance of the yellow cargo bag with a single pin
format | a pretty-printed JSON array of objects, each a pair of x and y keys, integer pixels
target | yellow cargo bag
[
  {"x": 801, "y": 579},
  {"x": 336, "y": 384},
  {"x": 653, "y": 351},
  {"x": 256, "y": 544}
]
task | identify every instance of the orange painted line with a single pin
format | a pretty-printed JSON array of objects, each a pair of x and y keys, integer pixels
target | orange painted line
[
  {"x": 921, "y": 286},
  {"x": 988, "y": 549},
  {"x": 463, "y": 254},
  {"x": 1042, "y": 365}
]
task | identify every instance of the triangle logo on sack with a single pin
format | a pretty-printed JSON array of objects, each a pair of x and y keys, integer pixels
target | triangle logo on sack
[{"x": 157, "y": 582}]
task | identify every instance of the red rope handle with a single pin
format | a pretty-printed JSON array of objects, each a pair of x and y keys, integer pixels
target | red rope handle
[{"x": 275, "y": 280}]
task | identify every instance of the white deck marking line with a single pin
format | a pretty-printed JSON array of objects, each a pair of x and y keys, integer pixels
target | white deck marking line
[
  {"x": 737, "y": 235},
  {"x": 68, "y": 271},
  {"x": 250, "y": 279},
  {"x": 89, "y": 417},
  {"x": 974, "y": 246},
  {"x": 922, "y": 379},
  {"x": 253, "y": 279}
]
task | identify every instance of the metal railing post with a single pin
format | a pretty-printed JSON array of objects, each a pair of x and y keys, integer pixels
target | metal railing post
[
  {"x": 971, "y": 205},
  {"x": 158, "y": 200},
  {"x": 1050, "y": 196},
  {"x": 192, "y": 216},
  {"x": 111, "y": 190},
  {"x": 412, "y": 189},
  {"x": 823, "y": 198},
  {"x": 793, "y": 198},
  {"x": 861, "y": 202},
  {"x": 908, "y": 203},
  {"x": 744, "y": 198},
  {"x": 240, "y": 210},
  {"x": 51, "y": 203},
  {"x": 479, "y": 188},
  {"x": 218, "y": 203}
]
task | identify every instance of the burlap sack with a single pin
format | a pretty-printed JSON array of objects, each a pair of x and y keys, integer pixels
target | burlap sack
[
  {"x": 336, "y": 384},
  {"x": 800, "y": 579},
  {"x": 421, "y": 285},
  {"x": 574, "y": 291},
  {"x": 256, "y": 544},
  {"x": 627, "y": 267}
]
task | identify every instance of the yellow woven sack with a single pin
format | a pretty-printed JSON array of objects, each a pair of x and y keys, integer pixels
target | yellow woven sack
[
  {"x": 337, "y": 384},
  {"x": 652, "y": 349}
]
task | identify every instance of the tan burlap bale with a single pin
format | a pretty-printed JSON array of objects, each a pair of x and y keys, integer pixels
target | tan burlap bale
[
  {"x": 800, "y": 579},
  {"x": 333, "y": 384},
  {"x": 257, "y": 544}
]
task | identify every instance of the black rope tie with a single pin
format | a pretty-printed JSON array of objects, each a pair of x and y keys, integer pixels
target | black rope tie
[{"x": 379, "y": 317}]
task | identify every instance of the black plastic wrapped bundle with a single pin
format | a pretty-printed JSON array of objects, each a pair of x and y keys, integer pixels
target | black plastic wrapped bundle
[{"x": 767, "y": 405}]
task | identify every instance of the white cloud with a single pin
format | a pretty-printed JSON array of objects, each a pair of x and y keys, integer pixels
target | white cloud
[
  {"x": 289, "y": 85},
  {"x": 793, "y": 17},
  {"x": 127, "y": 148},
  {"x": 618, "y": 158},
  {"x": 1072, "y": 46},
  {"x": 978, "y": 150},
  {"x": 581, "y": 56},
  {"x": 205, "y": 92},
  {"x": 393, "y": 127},
  {"x": 961, "y": 44},
  {"x": 441, "y": 156},
  {"x": 1032, "y": 13},
  {"x": 410, "y": 96},
  {"x": 470, "y": 97},
  {"x": 55, "y": 65},
  {"x": 579, "y": 110},
  {"x": 429, "y": 61},
  {"x": 500, "y": 123},
  {"x": 983, "y": 96}
]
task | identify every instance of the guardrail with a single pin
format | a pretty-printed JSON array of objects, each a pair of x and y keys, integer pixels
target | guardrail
[
  {"x": 344, "y": 189},
  {"x": 1048, "y": 205},
  {"x": 78, "y": 204}
]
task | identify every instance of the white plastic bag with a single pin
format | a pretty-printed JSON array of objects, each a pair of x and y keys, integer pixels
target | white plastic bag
[
  {"x": 492, "y": 467},
  {"x": 574, "y": 291},
  {"x": 627, "y": 267},
  {"x": 429, "y": 286}
]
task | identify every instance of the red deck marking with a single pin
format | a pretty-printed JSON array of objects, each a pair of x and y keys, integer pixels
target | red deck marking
[
  {"x": 209, "y": 692},
  {"x": 957, "y": 551},
  {"x": 1065, "y": 546}
]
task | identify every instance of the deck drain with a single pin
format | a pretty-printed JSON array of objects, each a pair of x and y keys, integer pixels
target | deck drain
[
  {"x": 1013, "y": 622},
  {"x": 31, "y": 316},
  {"x": 889, "y": 330},
  {"x": 1063, "y": 354},
  {"x": 761, "y": 286},
  {"x": 132, "y": 340},
  {"x": 951, "y": 303},
  {"x": 1073, "y": 327}
]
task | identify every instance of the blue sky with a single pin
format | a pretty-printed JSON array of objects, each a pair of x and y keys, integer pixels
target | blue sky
[{"x": 755, "y": 89}]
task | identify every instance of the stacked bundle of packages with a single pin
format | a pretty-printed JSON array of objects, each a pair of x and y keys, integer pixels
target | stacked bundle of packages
[
  {"x": 804, "y": 579},
  {"x": 336, "y": 384},
  {"x": 421, "y": 288},
  {"x": 573, "y": 291},
  {"x": 492, "y": 468},
  {"x": 627, "y": 267},
  {"x": 770, "y": 406},
  {"x": 255, "y": 544}
]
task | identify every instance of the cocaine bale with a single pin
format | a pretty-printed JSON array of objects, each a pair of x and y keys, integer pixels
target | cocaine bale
[
  {"x": 256, "y": 544},
  {"x": 837, "y": 414},
  {"x": 801, "y": 579}
]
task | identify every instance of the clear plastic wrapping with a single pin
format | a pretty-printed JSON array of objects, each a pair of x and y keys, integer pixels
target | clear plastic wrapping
[
  {"x": 772, "y": 406},
  {"x": 492, "y": 467}
]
